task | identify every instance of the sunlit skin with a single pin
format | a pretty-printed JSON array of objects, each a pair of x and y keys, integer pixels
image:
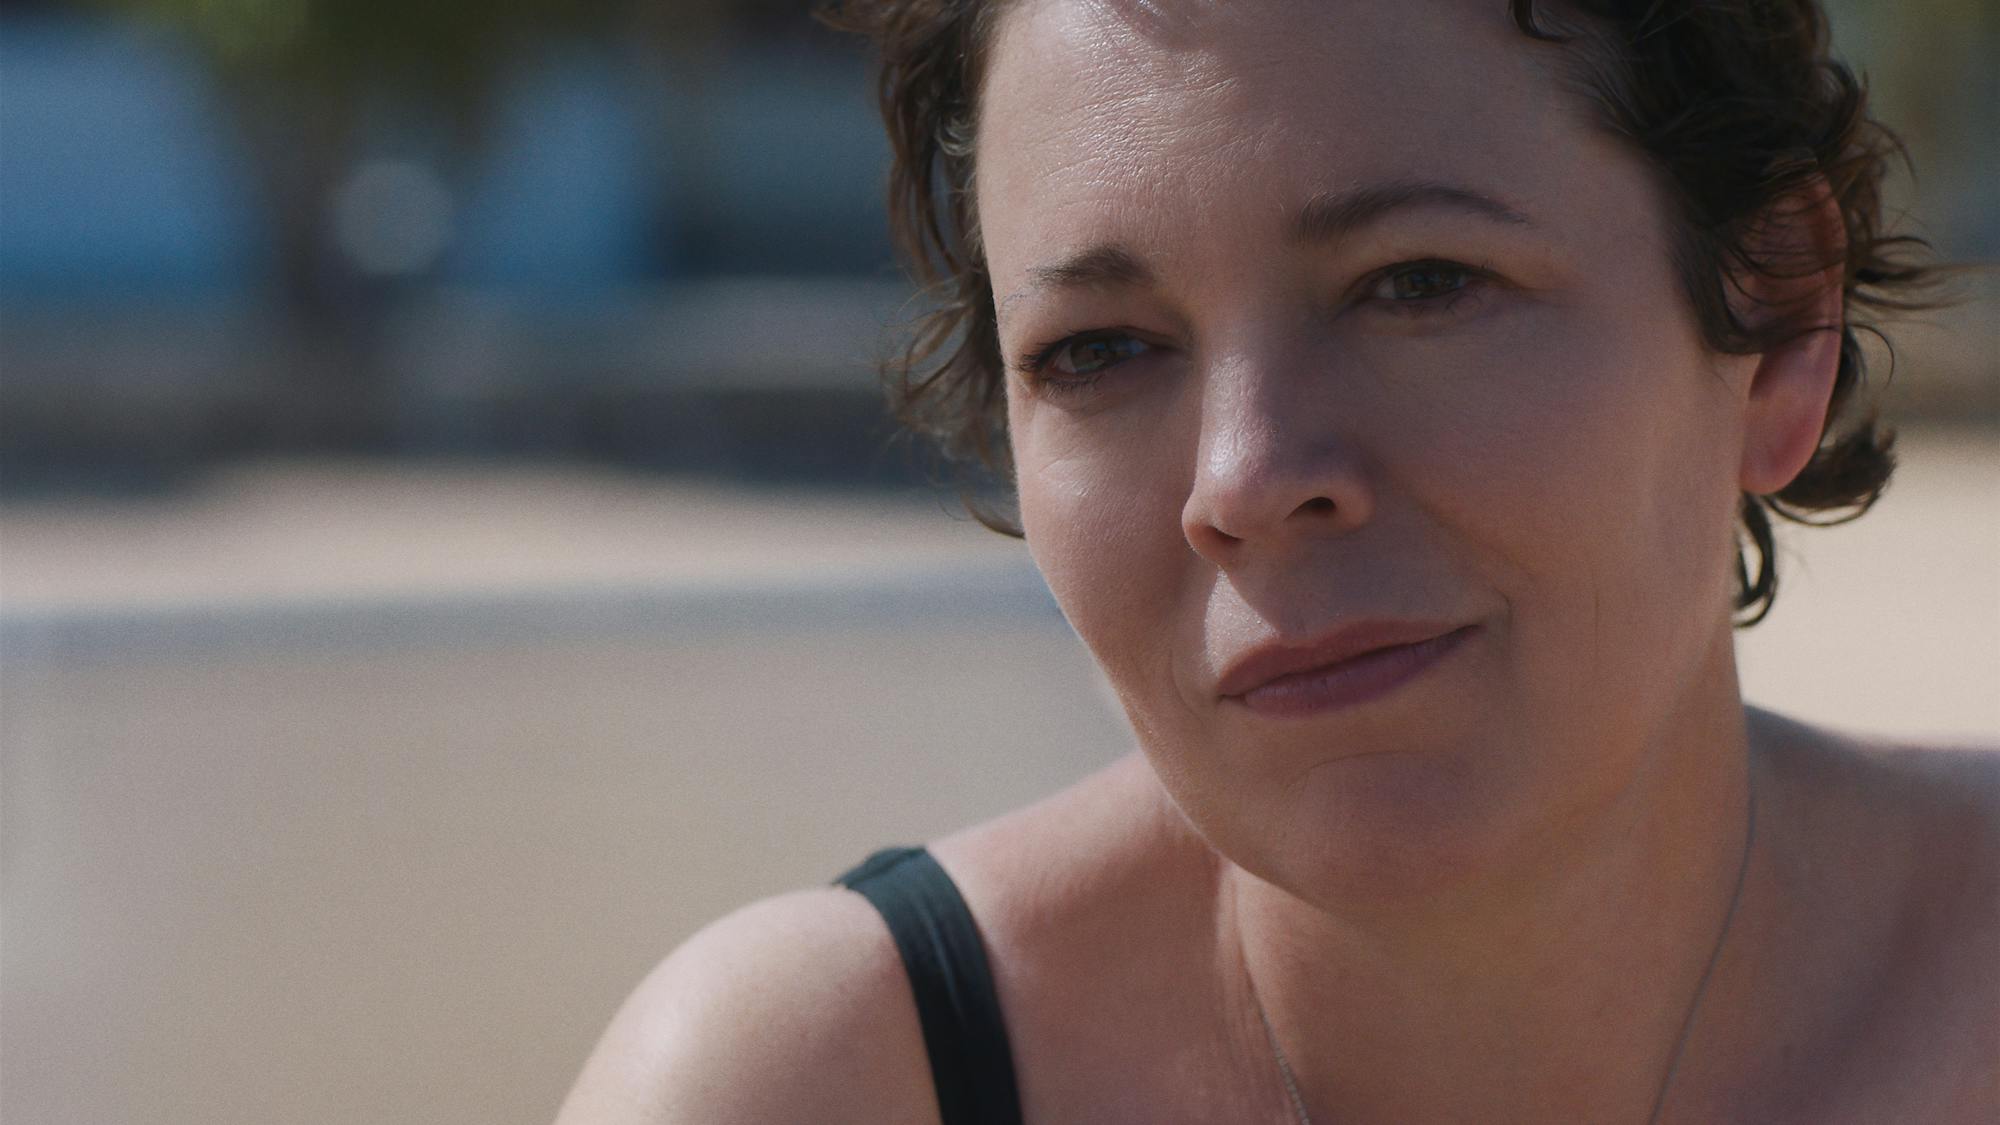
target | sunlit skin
[
  {"x": 1320, "y": 317},
  {"x": 1527, "y": 439},
  {"x": 1479, "y": 404}
]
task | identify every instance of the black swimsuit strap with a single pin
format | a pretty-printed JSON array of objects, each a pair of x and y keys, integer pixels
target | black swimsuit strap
[{"x": 971, "y": 1063}]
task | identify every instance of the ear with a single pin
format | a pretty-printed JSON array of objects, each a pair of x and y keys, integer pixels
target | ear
[{"x": 1804, "y": 243}]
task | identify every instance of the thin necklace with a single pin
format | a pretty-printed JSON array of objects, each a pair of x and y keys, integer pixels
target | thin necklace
[
  {"x": 1284, "y": 1067},
  {"x": 1680, "y": 1041}
]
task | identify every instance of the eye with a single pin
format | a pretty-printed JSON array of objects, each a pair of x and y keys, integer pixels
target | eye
[
  {"x": 1088, "y": 355},
  {"x": 1075, "y": 362},
  {"x": 1419, "y": 283}
]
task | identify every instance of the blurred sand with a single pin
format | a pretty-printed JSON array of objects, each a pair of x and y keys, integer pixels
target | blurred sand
[
  {"x": 1891, "y": 624},
  {"x": 338, "y": 794}
]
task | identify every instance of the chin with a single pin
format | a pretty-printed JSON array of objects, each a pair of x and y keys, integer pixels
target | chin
[
  {"x": 1397, "y": 825},
  {"x": 1380, "y": 826}
]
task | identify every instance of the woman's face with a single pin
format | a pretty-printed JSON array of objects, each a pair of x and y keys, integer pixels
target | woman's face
[{"x": 1333, "y": 327}]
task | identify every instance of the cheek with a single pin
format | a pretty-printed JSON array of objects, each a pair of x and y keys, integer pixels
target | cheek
[
  {"x": 1575, "y": 444},
  {"x": 1101, "y": 510},
  {"x": 1598, "y": 467}
]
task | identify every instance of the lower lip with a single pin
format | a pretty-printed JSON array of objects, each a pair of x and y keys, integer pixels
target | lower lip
[{"x": 1350, "y": 683}]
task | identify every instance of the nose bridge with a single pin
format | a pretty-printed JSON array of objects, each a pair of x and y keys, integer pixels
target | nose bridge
[
  {"x": 1273, "y": 457},
  {"x": 1245, "y": 426}
]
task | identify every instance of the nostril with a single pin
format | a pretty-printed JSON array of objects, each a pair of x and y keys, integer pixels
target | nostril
[
  {"x": 1318, "y": 506},
  {"x": 1211, "y": 542}
]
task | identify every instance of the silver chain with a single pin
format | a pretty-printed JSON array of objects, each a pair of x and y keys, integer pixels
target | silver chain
[
  {"x": 1680, "y": 1042},
  {"x": 1284, "y": 1067}
]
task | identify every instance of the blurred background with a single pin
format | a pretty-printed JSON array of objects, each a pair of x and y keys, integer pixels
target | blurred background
[{"x": 451, "y": 546}]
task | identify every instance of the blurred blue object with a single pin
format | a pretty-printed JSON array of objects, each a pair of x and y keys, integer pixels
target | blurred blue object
[
  {"x": 118, "y": 176},
  {"x": 794, "y": 168},
  {"x": 568, "y": 200}
]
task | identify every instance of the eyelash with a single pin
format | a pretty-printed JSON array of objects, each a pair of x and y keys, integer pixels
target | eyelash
[{"x": 1036, "y": 363}]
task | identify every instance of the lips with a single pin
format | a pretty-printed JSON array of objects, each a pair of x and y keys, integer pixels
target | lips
[{"x": 1355, "y": 662}]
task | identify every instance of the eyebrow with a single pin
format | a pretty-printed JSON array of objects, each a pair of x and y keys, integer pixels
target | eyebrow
[
  {"x": 1099, "y": 265},
  {"x": 1325, "y": 218},
  {"x": 1331, "y": 215}
]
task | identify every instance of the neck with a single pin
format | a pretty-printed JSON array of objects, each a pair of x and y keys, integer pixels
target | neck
[{"x": 1552, "y": 985}]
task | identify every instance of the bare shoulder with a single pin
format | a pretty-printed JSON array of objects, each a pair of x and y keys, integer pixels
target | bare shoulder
[
  {"x": 1940, "y": 807},
  {"x": 1917, "y": 826},
  {"x": 1942, "y": 801},
  {"x": 1098, "y": 907},
  {"x": 1947, "y": 800},
  {"x": 1890, "y": 853},
  {"x": 795, "y": 1008},
  {"x": 1107, "y": 852}
]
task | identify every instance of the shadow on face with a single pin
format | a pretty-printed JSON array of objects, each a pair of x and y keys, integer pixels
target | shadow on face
[{"x": 1333, "y": 324}]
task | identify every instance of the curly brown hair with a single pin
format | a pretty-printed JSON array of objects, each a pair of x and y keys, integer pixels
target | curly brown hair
[{"x": 1737, "y": 105}]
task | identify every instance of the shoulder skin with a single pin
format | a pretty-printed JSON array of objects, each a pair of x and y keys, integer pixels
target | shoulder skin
[
  {"x": 1891, "y": 859},
  {"x": 795, "y": 1008}
]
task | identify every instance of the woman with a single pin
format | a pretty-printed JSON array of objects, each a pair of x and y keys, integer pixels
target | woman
[{"x": 1386, "y": 388}]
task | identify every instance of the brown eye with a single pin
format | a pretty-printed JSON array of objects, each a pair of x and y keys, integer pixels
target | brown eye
[{"x": 1088, "y": 355}]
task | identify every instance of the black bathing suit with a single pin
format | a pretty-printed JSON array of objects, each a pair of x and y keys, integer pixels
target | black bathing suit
[{"x": 964, "y": 1034}]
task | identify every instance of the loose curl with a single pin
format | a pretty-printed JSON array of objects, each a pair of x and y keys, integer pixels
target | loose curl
[{"x": 1736, "y": 103}]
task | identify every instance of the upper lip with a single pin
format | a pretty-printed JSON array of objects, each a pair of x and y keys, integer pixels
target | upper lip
[{"x": 1266, "y": 663}]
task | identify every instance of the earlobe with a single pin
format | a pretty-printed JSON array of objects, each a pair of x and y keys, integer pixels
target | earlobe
[
  {"x": 1791, "y": 387},
  {"x": 1785, "y": 414}
]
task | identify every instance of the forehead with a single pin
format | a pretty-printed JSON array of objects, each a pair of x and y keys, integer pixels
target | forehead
[{"x": 1147, "y": 113}]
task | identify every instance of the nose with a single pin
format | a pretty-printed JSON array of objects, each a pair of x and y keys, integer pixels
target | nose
[{"x": 1277, "y": 462}]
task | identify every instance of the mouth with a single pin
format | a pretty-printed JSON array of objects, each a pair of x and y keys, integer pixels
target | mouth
[{"x": 1355, "y": 665}]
